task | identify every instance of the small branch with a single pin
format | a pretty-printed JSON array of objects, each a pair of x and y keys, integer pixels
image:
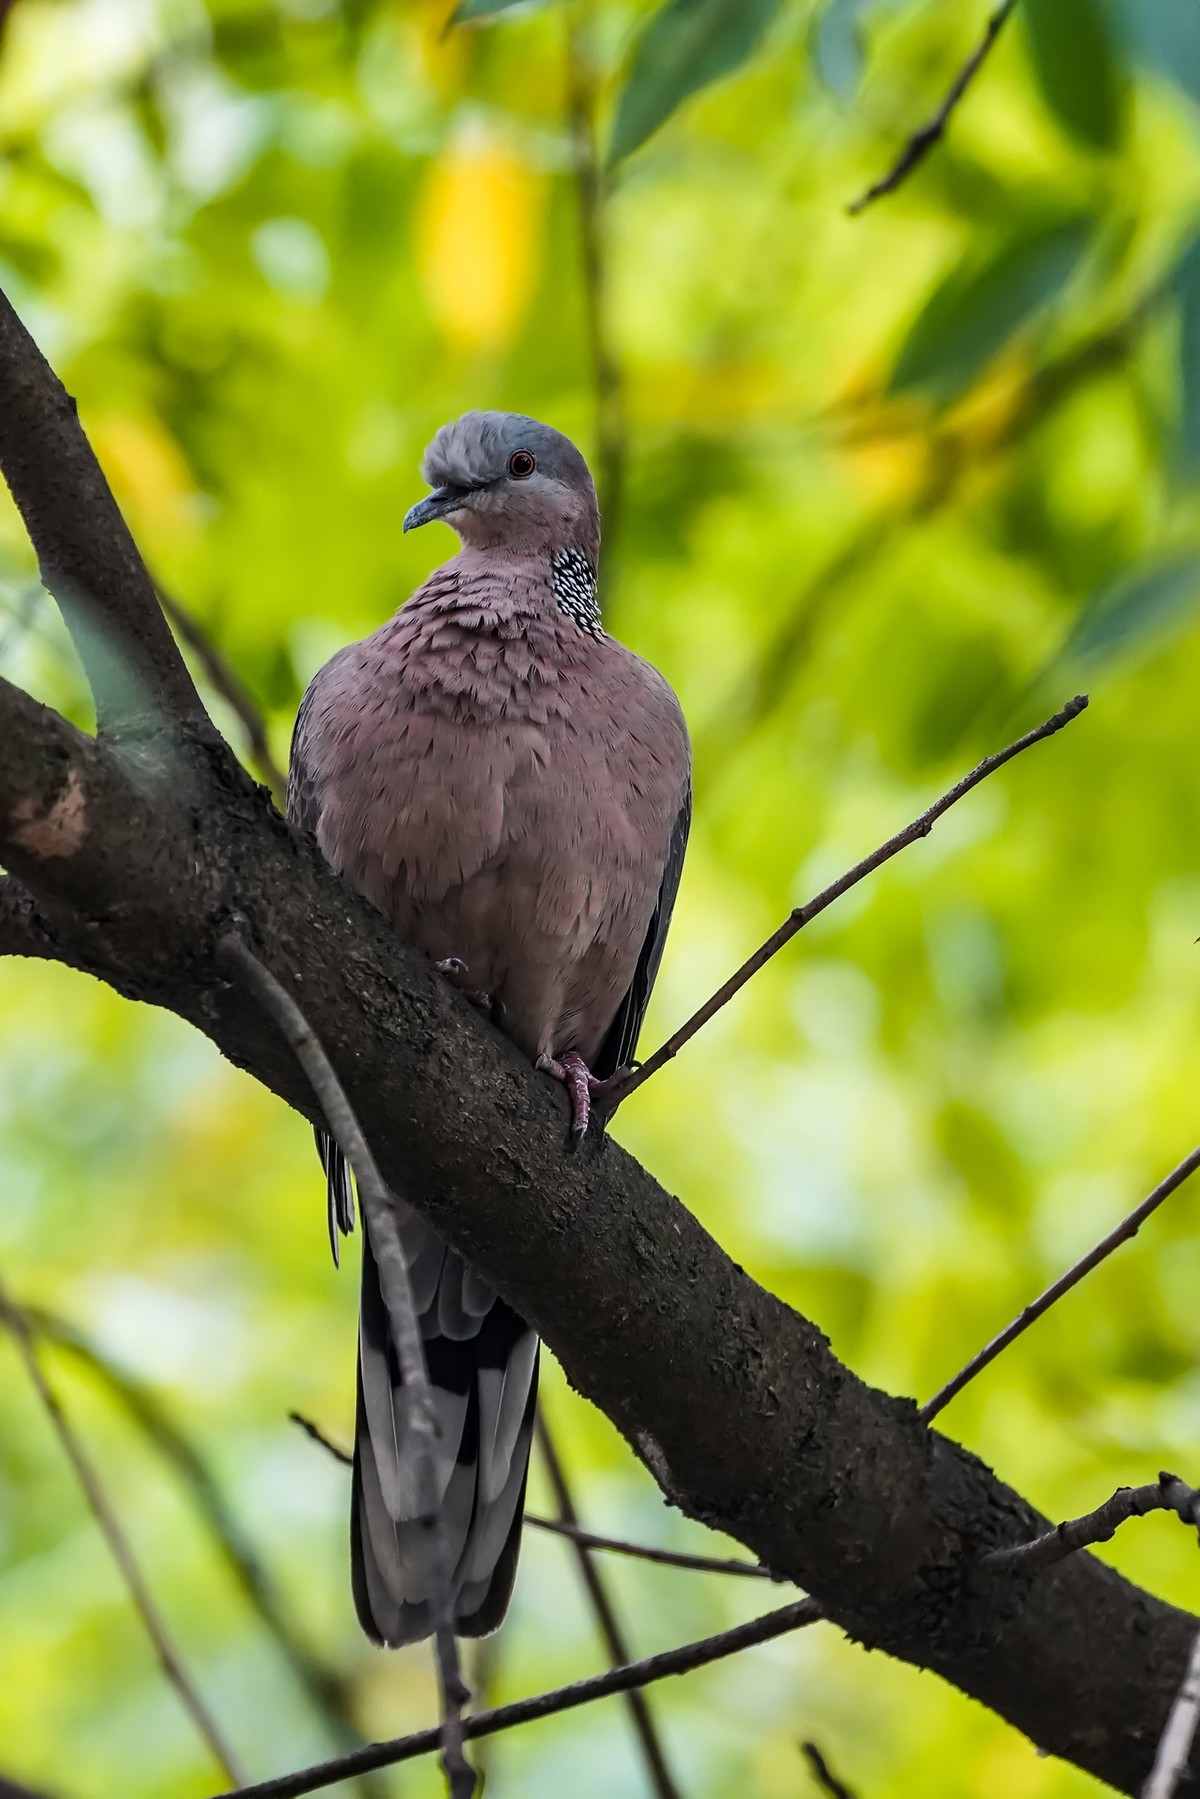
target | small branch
[
  {"x": 384, "y": 1235},
  {"x": 642, "y": 1552},
  {"x": 544, "y": 1705},
  {"x": 1129, "y": 1227},
  {"x": 931, "y": 132},
  {"x": 225, "y": 680},
  {"x": 1167, "y": 1494},
  {"x": 114, "y": 1535},
  {"x": 88, "y": 559},
  {"x": 661, "y": 1780},
  {"x": 823, "y": 1774},
  {"x": 1175, "y": 1744},
  {"x": 802, "y": 915},
  {"x": 10, "y": 1789},
  {"x": 607, "y": 383}
]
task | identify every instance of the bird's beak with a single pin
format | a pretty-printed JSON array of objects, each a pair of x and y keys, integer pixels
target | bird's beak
[{"x": 441, "y": 501}]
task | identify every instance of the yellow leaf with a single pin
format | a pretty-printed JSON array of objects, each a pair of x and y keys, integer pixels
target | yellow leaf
[{"x": 477, "y": 235}]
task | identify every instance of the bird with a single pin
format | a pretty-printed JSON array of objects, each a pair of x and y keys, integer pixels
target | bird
[{"x": 511, "y": 788}]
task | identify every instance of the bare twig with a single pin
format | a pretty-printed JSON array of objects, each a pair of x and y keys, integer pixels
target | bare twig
[
  {"x": 642, "y": 1552},
  {"x": 930, "y": 133},
  {"x": 1167, "y": 1494},
  {"x": 544, "y": 1705},
  {"x": 607, "y": 385},
  {"x": 1175, "y": 1744},
  {"x": 114, "y": 1535},
  {"x": 326, "y": 1687},
  {"x": 1128, "y": 1228},
  {"x": 661, "y": 1780},
  {"x": 802, "y": 915},
  {"x": 10, "y": 1789},
  {"x": 226, "y": 681},
  {"x": 823, "y": 1774},
  {"x": 384, "y": 1236}
]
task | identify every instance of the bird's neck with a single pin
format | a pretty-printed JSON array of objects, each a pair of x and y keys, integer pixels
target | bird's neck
[{"x": 531, "y": 579}]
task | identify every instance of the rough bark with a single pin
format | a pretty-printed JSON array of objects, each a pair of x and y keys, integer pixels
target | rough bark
[{"x": 133, "y": 856}]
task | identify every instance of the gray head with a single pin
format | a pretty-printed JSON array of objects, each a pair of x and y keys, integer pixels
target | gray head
[{"x": 504, "y": 480}]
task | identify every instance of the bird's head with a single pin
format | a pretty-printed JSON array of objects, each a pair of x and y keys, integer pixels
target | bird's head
[{"x": 503, "y": 480}]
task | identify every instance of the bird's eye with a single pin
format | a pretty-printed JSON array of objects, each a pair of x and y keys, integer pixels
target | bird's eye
[{"x": 521, "y": 464}]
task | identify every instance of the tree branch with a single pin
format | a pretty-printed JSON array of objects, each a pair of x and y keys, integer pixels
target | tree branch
[
  {"x": 1167, "y": 1494},
  {"x": 1175, "y": 1745},
  {"x": 114, "y": 1535},
  {"x": 823, "y": 1774},
  {"x": 87, "y": 557},
  {"x": 659, "y": 1775},
  {"x": 1122, "y": 1233},
  {"x": 226, "y": 681},
  {"x": 383, "y": 1232},
  {"x": 802, "y": 915},
  {"x": 545, "y": 1705},
  {"x": 931, "y": 132}
]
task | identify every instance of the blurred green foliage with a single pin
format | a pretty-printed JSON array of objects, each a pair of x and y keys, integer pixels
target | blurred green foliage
[{"x": 895, "y": 485}]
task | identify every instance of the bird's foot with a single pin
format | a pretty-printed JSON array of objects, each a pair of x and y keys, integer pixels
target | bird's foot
[
  {"x": 584, "y": 1091},
  {"x": 454, "y": 968}
]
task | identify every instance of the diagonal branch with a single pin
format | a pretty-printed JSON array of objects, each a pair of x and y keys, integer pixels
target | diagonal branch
[
  {"x": 823, "y": 1774},
  {"x": 384, "y": 1233},
  {"x": 1175, "y": 1744},
  {"x": 803, "y": 915},
  {"x": 1167, "y": 1494},
  {"x": 1122, "y": 1233},
  {"x": 661, "y": 1780},
  {"x": 226, "y": 681},
  {"x": 87, "y": 557},
  {"x": 114, "y": 1535},
  {"x": 545, "y": 1705},
  {"x": 931, "y": 132}
]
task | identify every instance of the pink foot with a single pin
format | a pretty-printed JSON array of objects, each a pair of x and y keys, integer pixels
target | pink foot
[{"x": 581, "y": 1085}]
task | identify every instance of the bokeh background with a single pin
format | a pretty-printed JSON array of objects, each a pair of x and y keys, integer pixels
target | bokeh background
[{"x": 881, "y": 490}]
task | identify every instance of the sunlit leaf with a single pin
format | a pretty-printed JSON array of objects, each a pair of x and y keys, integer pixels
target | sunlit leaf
[
  {"x": 481, "y": 9},
  {"x": 1135, "y": 610},
  {"x": 1078, "y": 67},
  {"x": 837, "y": 46},
  {"x": 1187, "y": 286},
  {"x": 476, "y": 239},
  {"x": 686, "y": 45},
  {"x": 981, "y": 305}
]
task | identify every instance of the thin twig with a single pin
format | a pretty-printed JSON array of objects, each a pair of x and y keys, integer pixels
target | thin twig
[
  {"x": 326, "y": 1687},
  {"x": 590, "y": 188},
  {"x": 118, "y": 1543},
  {"x": 226, "y": 681},
  {"x": 802, "y": 915},
  {"x": 1175, "y": 1744},
  {"x": 544, "y": 1705},
  {"x": 823, "y": 1774},
  {"x": 11, "y": 1789},
  {"x": 930, "y": 133},
  {"x": 1128, "y": 1228},
  {"x": 642, "y": 1552},
  {"x": 1167, "y": 1494},
  {"x": 384, "y": 1237},
  {"x": 661, "y": 1780}
]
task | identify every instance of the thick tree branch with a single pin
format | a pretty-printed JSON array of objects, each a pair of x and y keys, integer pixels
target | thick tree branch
[{"x": 87, "y": 557}]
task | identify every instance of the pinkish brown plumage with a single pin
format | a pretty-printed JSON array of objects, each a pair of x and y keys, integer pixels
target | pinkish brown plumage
[{"x": 510, "y": 787}]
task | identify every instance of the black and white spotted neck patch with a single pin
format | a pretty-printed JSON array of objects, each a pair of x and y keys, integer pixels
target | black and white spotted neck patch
[{"x": 575, "y": 590}]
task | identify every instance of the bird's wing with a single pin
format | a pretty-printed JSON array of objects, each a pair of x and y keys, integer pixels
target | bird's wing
[
  {"x": 618, "y": 1047},
  {"x": 304, "y": 811}
]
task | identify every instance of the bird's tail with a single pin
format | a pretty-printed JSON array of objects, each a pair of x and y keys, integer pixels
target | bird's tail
[{"x": 483, "y": 1363}]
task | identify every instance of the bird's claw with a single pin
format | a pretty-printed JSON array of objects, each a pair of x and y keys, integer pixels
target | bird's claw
[
  {"x": 583, "y": 1088},
  {"x": 453, "y": 967}
]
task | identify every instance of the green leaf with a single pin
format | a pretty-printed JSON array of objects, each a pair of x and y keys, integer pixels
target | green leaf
[
  {"x": 836, "y": 47},
  {"x": 686, "y": 45},
  {"x": 480, "y": 9},
  {"x": 1187, "y": 288},
  {"x": 979, "y": 307},
  {"x": 1078, "y": 67},
  {"x": 1164, "y": 34},
  {"x": 1134, "y": 610}
]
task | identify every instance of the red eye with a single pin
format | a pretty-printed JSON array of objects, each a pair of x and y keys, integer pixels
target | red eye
[{"x": 521, "y": 464}]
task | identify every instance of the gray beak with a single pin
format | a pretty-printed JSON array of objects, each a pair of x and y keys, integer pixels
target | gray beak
[{"x": 435, "y": 505}]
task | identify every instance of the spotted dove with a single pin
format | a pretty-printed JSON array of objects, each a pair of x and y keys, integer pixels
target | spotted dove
[{"x": 511, "y": 788}]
